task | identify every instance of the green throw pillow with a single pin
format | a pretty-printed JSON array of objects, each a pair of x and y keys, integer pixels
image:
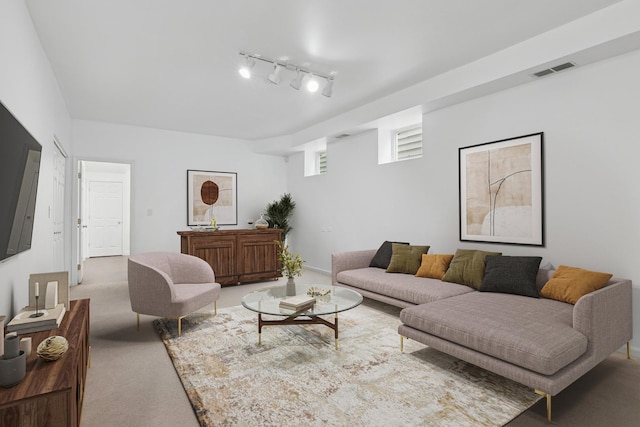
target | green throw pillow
[
  {"x": 467, "y": 267},
  {"x": 406, "y": 258},
  {"x": 383, "y": 256}
]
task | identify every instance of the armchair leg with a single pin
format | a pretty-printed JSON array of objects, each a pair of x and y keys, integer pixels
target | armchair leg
[
  {"x": 180, "y": 325},
  {"x": 215, "y": 308},
  {"x": 548, "y": 396},
  {"x": 138, "y": 321},
  {"x": 629, "y": 350}
]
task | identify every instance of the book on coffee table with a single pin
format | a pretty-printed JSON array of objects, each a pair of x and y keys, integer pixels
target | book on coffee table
[{"x": 297, "y": 302}]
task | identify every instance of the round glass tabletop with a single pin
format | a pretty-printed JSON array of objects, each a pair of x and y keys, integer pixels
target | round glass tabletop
[{"x": 267, "y": 300}]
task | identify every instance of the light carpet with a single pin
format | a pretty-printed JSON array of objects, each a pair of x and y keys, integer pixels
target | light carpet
[{"x": 296, "y": 377}]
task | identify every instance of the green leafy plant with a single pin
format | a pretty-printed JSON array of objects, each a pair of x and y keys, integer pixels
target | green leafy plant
[
  {"x": 279, "y": 212},
  {"x": 291, "y": 262}
]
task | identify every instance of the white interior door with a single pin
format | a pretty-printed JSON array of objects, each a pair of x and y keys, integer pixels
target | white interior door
[
  {"x": 57, "y": 207},
  {"x": 105, "y": 218}
]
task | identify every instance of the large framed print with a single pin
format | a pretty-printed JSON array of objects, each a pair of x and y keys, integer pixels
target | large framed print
[
  {"x": 212, "y": 195},
  {"x": 501, "y": 191}
]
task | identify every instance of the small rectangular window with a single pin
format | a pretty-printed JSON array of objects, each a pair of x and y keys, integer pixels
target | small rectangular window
[
  {"x": 322, "y": 162},
  {"x": 408, "y": 144}
]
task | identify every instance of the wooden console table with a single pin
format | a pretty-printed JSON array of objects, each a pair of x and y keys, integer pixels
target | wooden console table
[
  {"x": 236, "y": 256},
  {"x": 51, "y": 393}
]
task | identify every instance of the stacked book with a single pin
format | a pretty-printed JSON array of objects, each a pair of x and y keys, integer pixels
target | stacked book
[
  {"x": 298, "y": 302},
  {"x": 23, "y": 323}
]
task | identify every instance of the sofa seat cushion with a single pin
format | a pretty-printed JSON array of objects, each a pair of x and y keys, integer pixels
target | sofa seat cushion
[
  {"x": 536, "y": 334},
  {"x": 189, "y": 297},
  {"x": 404, "y": 287}
]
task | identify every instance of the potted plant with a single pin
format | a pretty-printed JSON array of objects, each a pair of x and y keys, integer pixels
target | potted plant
[
  {"x": 291, "y": 263},
  {"x": 279, "y": 212}
]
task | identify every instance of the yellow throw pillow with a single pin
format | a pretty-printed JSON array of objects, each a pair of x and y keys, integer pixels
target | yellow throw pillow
[
  {"x": 568, "y": 284},
  {"x": 434, "y": 265}
]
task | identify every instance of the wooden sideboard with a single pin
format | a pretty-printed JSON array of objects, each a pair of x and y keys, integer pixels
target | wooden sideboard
[
  {"x": 51, "y": 393},
  {"x": 236, "y": 256}
]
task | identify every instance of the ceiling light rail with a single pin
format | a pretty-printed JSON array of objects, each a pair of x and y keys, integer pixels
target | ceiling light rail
[{"x": 275, "y": 77}]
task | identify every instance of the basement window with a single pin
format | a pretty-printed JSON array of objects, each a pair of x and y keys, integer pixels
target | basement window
[
  {"x": 315, "y": 157},
  {"x": 407, "y": 143},
  {"x": 321, "y": 161}
]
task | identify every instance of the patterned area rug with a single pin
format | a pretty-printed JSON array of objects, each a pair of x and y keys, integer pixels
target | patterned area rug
[{"x": 296, "y": 377}]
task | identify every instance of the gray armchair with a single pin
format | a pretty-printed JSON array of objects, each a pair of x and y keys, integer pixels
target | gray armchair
[{"x": 171, "y": 285}]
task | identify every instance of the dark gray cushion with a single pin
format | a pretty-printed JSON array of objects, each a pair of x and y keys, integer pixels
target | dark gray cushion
[
  {"x": 382, "y": 258},
  {"x": 511, "y": 275}
]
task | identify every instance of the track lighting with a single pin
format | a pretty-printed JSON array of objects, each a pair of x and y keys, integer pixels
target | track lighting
[
  {"x": 312, "y": 84},
  {"x": 275, "y": 76},
  {"x": 297, "y": 82},
  {"x": 328, "y": 89},
  {"x": 245, "y": 69}
]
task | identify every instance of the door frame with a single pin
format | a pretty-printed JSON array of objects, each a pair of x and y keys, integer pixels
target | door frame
[
  {"x": 63, "y": 203},
  {"x": 77, "y": 202}
]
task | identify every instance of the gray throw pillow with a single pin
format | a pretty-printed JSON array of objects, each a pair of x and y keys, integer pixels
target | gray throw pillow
[{"x": 511, "y": 275}]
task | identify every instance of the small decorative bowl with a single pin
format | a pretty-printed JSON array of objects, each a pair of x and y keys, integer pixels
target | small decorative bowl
[{"x": 53, "y": 348}]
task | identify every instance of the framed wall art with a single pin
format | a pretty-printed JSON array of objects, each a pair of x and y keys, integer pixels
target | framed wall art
[
  {"x": 212, "y": 194},
  {"x": 501, "y": 191}
]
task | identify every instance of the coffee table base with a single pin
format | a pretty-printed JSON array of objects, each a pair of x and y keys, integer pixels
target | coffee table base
[{"x": 296, "y": 320}]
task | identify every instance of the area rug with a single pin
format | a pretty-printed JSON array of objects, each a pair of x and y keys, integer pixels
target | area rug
[{"x": 296, "y": 377}]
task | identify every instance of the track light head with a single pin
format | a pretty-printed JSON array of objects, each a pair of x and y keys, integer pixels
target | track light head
[
  {"x": 274, "y": 77},
  {"x": 297, "y": 82},
  {"x": 312, "y": 84},
  {"x": 328, "y": 89},
  {"x": 245, "y": 69}
]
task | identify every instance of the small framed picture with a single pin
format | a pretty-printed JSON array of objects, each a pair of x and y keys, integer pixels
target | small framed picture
[{"x": 211, "y": 195}]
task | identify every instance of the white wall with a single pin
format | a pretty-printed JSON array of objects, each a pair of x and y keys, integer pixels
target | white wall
[
  {"x": 160, "y": 160},
  {"x": 30, "y": 91},
  {"x": 591, "y": 152}
]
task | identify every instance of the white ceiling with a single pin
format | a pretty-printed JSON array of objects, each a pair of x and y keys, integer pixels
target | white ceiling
[{"x": 172, "y": 64}]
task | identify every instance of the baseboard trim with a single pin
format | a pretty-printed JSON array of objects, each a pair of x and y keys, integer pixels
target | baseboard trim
[{"x": 317, "y": 270}]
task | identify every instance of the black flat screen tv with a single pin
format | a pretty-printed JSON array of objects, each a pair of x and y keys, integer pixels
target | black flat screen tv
[{"x": 19, "y": 170}]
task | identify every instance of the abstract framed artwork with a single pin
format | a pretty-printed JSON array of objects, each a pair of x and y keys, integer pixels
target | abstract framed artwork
[
  {"x": 501, "y": 191},
  {"x": 210, "y": 194}
]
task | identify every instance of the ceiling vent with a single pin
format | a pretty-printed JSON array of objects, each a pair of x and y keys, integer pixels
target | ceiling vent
[
  {"x": 555, "y": 69},
  {"x": 342, "y": 135}
]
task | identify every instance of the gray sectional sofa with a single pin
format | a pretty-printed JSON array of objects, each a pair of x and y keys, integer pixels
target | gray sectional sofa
[{"x": 539, "y": 342}]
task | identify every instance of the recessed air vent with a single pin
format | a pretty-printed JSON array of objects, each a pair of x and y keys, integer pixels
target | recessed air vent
[
  {"x": 342, "y": 135},
  {"x": 554, "y": 69}
]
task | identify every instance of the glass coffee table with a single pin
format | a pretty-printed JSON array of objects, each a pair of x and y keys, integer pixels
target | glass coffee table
[{"x": 267, "y": 301}]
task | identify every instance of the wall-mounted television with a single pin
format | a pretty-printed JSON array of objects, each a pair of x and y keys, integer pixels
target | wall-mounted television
[{"x": 19, "y": 170}]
